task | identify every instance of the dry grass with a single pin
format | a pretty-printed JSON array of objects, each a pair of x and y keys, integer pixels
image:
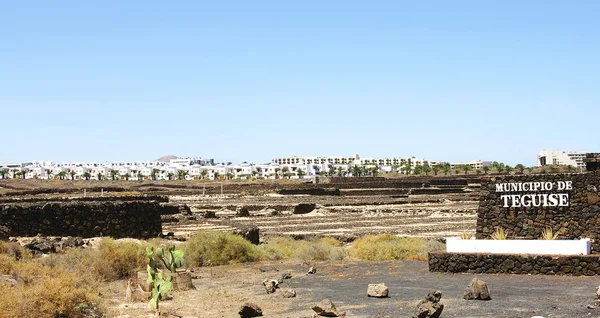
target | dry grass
[
  {"x": 118, "y": 259},
  {"x": 321, "y": 249},
  {"x": 390, "y": 247},
  {"x": 548, "y": 235},
  {"x": 499, "y": 234},
  {"x": 46, "y": 290}
]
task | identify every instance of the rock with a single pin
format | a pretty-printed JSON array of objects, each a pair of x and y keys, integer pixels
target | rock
[
  {"x": 242, "y": 212},
  {"x": 268, "y": 268},
  {"x": 286, "y": 275},
  {"x": 304, "y": 208},
  {"x": 288, "y": 293},
  {"x": 270, "y": 285},
  {"x": 312, "y": 270},
  {"x": 250, "y": 310},
  {"x": 250, "y": 233},
  {"x": 598, "y": 293},
  {"x": 327, "y": 309},
  {"x": 210, "y": 215},
  {"x": 477, "y": 289},
  {"x": 377, "y": 290},
  {"x": 430, "y": 306},
  {"x": 10, "y": 280},
  {"x": 4, "y": 233}
]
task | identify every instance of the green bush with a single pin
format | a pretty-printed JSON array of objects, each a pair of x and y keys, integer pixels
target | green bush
[
  {"x": 217, "y": 248},
  {"x": 390, "y": 247}
]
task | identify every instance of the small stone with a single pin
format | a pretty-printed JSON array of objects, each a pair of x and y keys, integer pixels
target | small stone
[
  {"x": 326, "y": 308},
  {"x": 477, "y": 289},
  {"x": 286, "y": 275},
  {"x": 377, "y": 290},
  {"x": 429, "y": 307},
  {"x": 312, "y": 270},
  {"x": 289, "y": 293},
  {"x": 250, "y": 310},
  {"x": 270, "y": 285}
]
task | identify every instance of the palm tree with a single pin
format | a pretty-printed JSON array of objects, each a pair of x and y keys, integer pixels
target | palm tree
[
  {"x": 114, "y": 174},
  {"x": 217, "y": 175},
  {"x": 48, "y": 174},
  {"x": 499, "y": 167},
  {"x": 407, "y": 168},
  {"x": 331, "y": 171},
  {"x": 486, "y": 169},
  {"x": 23, "y": 174},
  {"x": 285, "y": 171},
  {"x": 277, "y": 173},
  {"x": 154, "y": 173},
  {"x": 3, "y": 173},
  {"x": 203, "y": 174},
  {"x": 140, "y": 176},
  {"x": 446, "y": 170},
  {"x": 340, "y": 172},
  {"x": 127, "y": 176},
  {"x": 375, "y": 171},
  {"x": 435, "y": 169},
  {"x": 426, "y": 170},
  {"x": 520, "y": 167},
  {"x": 61, "y": 175},
  {"x": 466, "y": 168},
  {"x": 14, "y": 173},
  {"x": 99, "y": 175},
  {"x": 72, "y": 173},
  {"x": 300, "y": 173},
  {"x": 418, "y": 170},
  {"x": 508, "y": 169},
  {"x": 86, "y": 175},
  {"x": 170, "y": 175},
  {"x": 356, "y": 171},
  {"x": 229, "y": 176}
]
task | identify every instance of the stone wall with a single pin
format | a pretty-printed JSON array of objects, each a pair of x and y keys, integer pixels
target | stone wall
[
  {"x": 579, "y": 218},
  {"x": 592, "y": 161},
  {"x": 588, "y": 265},
  {"x": 137, "y": 219}
]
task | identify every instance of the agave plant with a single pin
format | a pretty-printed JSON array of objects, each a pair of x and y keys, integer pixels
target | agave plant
[
  {"x": 548, "y": 235},
  {"x": 499, "y": 234}
]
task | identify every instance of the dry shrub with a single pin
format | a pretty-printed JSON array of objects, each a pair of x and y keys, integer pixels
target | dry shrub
[
  {"x": 46, "y": 291},
  {"x": 325, "y": 248},
  {"x": 390, "y": 247},
  {"x": 117, "y": 259},
  {"x": 218, "y": 248}
]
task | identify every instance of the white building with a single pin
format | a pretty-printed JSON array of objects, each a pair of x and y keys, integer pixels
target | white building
[
  {"x": 557, "y": 157},
  {"x": 475, "y": 164}
]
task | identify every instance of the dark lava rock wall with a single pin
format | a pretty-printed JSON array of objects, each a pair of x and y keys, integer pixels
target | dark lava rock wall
[
  {"x": 588, "y": 265},
  {"x": 579, "y": 219},
  {"x": 136, "y": 219}
]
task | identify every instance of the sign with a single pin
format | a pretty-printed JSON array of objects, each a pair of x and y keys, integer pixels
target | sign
[{"x": 534, "y": 195}]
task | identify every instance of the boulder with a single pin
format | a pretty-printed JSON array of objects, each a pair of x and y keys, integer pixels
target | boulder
[
  {"x": 304, "y": 208},
  {"x": 250, "y": 233},
  {"x": 430, "y": 306},
  {"x": 377, "y": 290},
  {"x": 477, "y": 289},
  {"x": 288, "y": 293},
  {"x": 270, "y": 285},
  {"x": 327, "y": 309},
  {"x": 210, "y": 215},
  {"x": 250, "y": 310},
  {"x": 242, "y": 212}
]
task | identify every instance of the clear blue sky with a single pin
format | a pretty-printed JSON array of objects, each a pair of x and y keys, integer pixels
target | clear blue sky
[{"x": 252, "y": 80}]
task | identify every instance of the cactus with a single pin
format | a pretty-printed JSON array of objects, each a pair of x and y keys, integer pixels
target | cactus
[
  {"x": 159, "y": 285},
  {"x": 174, "y": 259}
]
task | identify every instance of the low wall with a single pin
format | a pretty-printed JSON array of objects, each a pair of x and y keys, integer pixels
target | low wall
[
  {"x": 588, "y": 265},
  {"x": 137, "y": 219}
]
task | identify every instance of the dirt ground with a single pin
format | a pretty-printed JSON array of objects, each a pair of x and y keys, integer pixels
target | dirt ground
[{"x": 220, "y": 291}]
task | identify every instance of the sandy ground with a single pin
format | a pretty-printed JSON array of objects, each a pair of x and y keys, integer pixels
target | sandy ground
[{"x": 221, "y": 290}]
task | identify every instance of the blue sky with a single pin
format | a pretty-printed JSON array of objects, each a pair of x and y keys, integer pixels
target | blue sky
[{"x": 252, "y": 80}]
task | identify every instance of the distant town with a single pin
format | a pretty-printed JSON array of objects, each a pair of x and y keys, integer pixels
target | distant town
[{"x": 195, "y": 168}]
